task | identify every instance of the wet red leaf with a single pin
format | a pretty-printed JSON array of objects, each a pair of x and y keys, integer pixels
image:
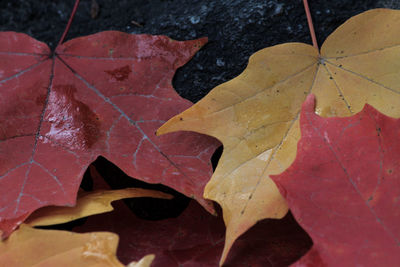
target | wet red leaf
[
  {"x": 344, "y": 187},
  {"x": 103, "y": 94},
  {"x": 196, "y": 238}
]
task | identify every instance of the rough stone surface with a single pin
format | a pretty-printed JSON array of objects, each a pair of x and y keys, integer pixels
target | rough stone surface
[{"x": 235, "y": 28}]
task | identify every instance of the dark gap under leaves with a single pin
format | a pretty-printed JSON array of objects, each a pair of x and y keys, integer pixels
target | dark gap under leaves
[
  {"x": 216, "y": 156},
  {"x": 145, "y": 208}
]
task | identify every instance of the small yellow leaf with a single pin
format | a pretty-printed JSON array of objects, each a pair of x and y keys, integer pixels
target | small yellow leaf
[
  {"x": 33, "y": 247},
  {"x": 256, "y": 114},
  {"x": 90, "y": 203}
]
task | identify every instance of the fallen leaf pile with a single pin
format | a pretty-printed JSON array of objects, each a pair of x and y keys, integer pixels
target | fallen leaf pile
[
  {"x": 256, "y": 114},
  {"x": 107, "y": 94},
  {"x": 196, "y": 238}
]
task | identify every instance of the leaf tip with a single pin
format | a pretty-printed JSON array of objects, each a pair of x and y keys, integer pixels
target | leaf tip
[
  {"x": 230, "y": 237},
  {"x": 202, "y": 41},
  {"x": 161, "y": 130},
  {"x": 169, "y": 126},
  {"x": 146, "y": 261},
  {"x": 309, "y": 105},
  {"x": 195, "y": 45}
]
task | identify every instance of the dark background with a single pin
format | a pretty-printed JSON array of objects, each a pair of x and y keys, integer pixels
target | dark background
[{"x": 235, "y": 28}]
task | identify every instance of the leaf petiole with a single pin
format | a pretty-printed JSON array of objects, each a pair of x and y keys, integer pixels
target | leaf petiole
[
  {"x": 310, "y": 24},
  {"x": 69, "y": 22}
]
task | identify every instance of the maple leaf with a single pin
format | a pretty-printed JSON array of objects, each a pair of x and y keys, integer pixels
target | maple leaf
[
  {"x": 88, "y": 203},
  {"x": 255, "y": 115},
  {"x": 103, "y": 94},
  {"x": 344, "y": 187},
  {"x": 195, "y": 238},
  {"x": 33, "y": 247}
]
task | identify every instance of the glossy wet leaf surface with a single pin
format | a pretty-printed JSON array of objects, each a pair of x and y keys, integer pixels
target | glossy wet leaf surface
[
  {"x": 344, "y": 188},
  {"x": 256, "y": 114},
  {"x": 103, "y": 94}
]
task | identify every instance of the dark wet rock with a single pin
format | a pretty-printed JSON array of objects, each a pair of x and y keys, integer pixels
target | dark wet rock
[{"x": 235, "y": 28}]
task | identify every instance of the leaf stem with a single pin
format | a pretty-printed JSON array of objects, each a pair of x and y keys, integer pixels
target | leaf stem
[
  {"x": 71, "y": 17},
  {"x": 310, "y": 24}
]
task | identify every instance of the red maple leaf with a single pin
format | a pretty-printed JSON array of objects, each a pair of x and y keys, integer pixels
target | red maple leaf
[
  {"x": 344, "y": 188},
  {"x": 103, "y": 94}
]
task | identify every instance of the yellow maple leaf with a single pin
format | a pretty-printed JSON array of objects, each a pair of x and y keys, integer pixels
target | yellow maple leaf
[
  {"x": 88, "y": 204},
  {"x": 255, "y": 115},
  {"x": 33, "y": 247}
]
